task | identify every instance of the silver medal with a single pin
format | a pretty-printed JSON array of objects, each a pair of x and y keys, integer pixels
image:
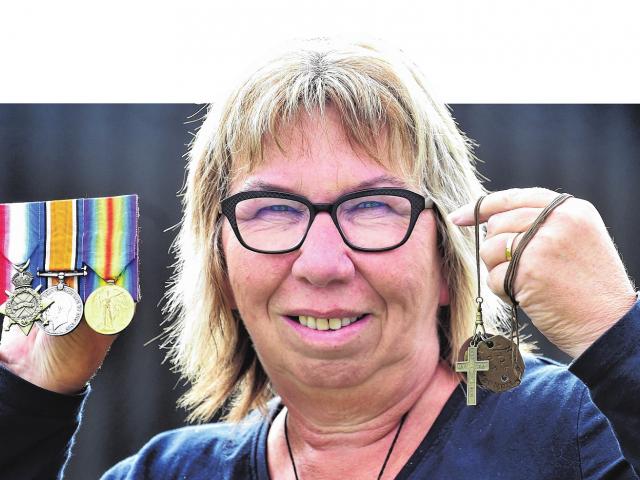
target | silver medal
[
  {"x": 68, "y": 312},
  {"x": 65, "y": 313}
]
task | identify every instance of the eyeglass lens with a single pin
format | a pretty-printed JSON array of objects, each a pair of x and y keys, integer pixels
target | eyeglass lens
[{"x": 273, "y": 224}]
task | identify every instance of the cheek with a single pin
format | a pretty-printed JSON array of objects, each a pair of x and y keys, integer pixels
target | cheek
[
  {"x": 415, "y": 268},
  {"x": 253, "y": 277},
  {"x": 414, "y": 279}
]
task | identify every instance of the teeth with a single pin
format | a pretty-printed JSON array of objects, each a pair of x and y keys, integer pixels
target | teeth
[
  {"x": 325, "y": 323},
  {"x": 311, "y": 322}
]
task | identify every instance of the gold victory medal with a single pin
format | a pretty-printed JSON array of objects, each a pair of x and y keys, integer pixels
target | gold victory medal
[{"x": 109, "y": 309}]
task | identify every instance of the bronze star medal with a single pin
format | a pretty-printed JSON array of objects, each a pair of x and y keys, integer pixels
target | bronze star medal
[{"x": 24, "y": 305}]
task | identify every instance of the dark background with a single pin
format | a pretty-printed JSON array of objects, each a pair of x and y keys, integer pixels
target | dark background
[{"x": 69, "y": 151}]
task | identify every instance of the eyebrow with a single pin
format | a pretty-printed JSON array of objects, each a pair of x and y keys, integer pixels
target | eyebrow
[{"x": 386, "y": 180}]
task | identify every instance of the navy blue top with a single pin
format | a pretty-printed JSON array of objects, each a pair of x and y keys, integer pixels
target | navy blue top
[{"x": 580, "y": 422}]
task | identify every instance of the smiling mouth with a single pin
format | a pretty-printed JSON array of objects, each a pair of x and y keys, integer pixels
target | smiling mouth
[{"x": 314, "y": 323}]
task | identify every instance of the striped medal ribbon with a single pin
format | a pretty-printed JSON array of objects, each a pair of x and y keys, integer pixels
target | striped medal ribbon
[
  {"x": 61, "y": 256},
  {"x": 110, "y": 251},
  {"x": 21, "y": 253}
]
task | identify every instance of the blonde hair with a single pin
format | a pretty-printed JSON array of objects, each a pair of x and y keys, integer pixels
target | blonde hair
[{"x": 376, "y": 91}]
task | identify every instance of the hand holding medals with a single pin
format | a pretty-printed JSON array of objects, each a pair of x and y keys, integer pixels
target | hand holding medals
[
  {"x": 571, "y": 281},
  {"x": 84, "y": 248}
]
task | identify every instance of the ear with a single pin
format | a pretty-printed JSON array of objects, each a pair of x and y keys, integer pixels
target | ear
[{"x": 443, "y": 297}]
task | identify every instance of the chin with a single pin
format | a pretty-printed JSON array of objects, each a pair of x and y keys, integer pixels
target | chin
[{"x": 333, "y": 374}]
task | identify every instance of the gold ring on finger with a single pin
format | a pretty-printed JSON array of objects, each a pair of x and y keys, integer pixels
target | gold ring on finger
[{"x": 509, "y": 249}]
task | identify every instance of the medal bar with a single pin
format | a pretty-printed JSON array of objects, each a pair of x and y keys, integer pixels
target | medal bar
[{"x": 89, "y": 251}]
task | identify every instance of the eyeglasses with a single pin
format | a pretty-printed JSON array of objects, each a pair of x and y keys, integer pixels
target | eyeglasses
[{"x": 372, "y": 220}]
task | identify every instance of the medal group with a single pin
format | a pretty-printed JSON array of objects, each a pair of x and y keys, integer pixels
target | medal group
[{"x": 83, "y": 250}]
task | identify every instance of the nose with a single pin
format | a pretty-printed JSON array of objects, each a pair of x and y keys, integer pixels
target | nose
[{"x": 323, "y": 257}]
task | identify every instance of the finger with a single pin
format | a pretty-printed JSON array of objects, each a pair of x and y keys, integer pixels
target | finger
[
  {"x": 502, "y": 201},
  {"x": 515, "y": 221},
  {"x": 494, "y": 250},
  {"x": 495, "y": 280},
  {"x": 15, "y": 343}
]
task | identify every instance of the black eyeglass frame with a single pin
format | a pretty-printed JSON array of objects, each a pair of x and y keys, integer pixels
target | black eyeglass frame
[{"x": 418, "y": 204}]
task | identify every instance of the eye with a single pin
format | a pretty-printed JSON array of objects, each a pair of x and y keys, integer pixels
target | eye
[
  {"x": 270, "y": 209},
  {"x": 375, "y": 207},
  {"x": 279, "y": 212},
  {"x": 279, "y": 209},
  {"x": 369, "y": 204}
]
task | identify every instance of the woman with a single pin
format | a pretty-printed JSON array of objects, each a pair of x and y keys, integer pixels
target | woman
[{"x": 352, "y": 322}]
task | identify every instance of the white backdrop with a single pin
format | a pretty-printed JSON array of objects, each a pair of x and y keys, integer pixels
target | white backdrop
[{"x": 509, "y": 51}]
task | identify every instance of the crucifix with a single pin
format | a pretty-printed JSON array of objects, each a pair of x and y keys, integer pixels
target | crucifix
[{"x": 471, "y": 366}]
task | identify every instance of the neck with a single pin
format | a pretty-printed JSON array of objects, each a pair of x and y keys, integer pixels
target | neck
[{"x": 341, "y": 430}]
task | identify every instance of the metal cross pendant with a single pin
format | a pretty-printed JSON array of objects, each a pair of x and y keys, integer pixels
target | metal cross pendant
[{"x": 471, "y": 366}]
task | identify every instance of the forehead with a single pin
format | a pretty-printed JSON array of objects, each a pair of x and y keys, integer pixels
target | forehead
[{"x": 315, "y": 157}]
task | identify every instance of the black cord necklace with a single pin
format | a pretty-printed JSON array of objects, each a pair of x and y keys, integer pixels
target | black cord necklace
[{"x": 384, "y": 465}]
